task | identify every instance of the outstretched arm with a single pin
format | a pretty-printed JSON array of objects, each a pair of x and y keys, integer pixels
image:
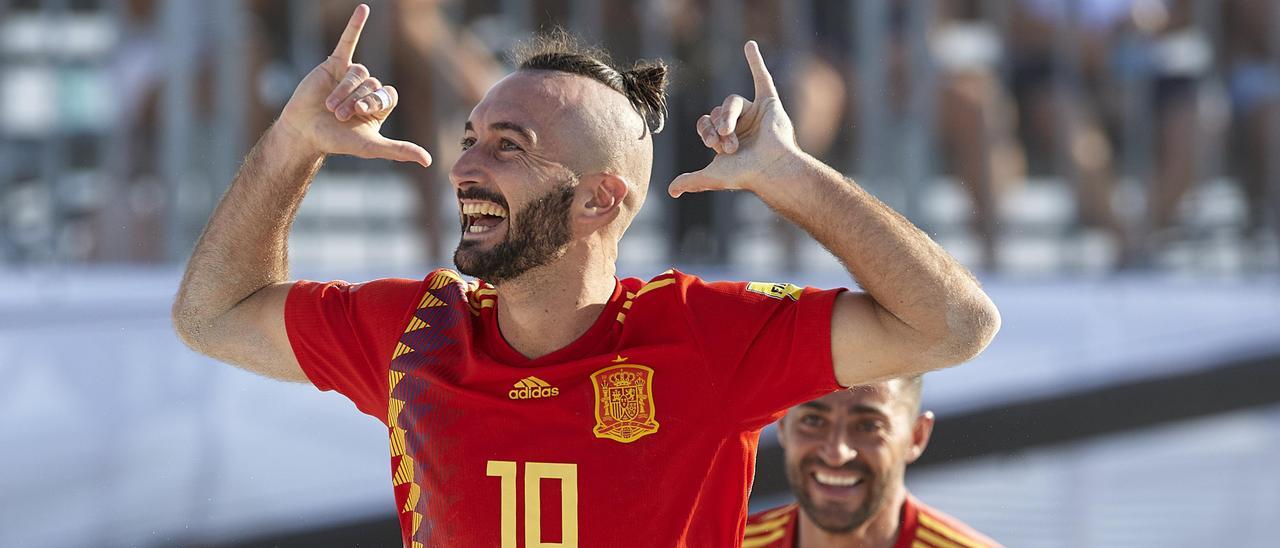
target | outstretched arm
[
  {"x": 231, "y": 302},
  {"x": 921, "y": 310}
]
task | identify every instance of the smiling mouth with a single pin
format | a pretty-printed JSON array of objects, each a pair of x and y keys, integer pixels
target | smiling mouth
[
  {"x": 481, "y": 217},
  {"x": 836, "y": 479}
]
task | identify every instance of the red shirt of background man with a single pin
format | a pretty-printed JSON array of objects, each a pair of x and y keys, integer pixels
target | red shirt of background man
[{"x": 920, "y": 527}]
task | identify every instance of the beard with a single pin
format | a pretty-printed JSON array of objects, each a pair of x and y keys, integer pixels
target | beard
[
  {"x": 834, "y": 518},
  {"x": 536, "y": 236}
]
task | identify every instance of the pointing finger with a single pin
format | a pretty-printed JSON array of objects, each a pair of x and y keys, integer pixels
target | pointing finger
[
  {"x": 346, "y": 47},
  {"x": 759, "y": 72}
]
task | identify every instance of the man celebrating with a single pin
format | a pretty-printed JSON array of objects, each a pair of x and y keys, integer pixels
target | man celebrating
[
  {"x": 549, "y": 403},
  {"x": 846, "y": 457}
]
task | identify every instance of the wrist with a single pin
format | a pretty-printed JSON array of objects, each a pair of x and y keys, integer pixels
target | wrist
[
  {"x": 287, "y": 142},
  {"x": 782, "y": 174}
]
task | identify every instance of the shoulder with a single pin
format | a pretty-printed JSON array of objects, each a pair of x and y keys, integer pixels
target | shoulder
[
  {"x": 770, "y": 527},
  {"x": 933, "y": 525}
]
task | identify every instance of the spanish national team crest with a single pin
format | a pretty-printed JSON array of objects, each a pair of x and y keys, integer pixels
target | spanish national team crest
[{"x": 624, "y": 402}]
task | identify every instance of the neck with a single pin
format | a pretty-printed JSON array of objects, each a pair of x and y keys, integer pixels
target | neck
[
  {"x": 881, "y": 531},
  {"x": 549, "y": 307}
]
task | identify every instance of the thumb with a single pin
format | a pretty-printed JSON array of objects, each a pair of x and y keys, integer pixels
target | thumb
[
  {"x": 697, "y": 181},
  {"x": 400, "y": 151}
]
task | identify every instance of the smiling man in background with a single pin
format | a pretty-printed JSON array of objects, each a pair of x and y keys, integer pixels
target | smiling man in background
[{"x": 846, "y": 459}]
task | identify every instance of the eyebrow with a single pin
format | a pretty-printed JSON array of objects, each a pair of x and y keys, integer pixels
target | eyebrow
[
  {"x": 524, "y": 132},
  {"x": 857, "y": 409},
  {"x": 864, "y": 409}
]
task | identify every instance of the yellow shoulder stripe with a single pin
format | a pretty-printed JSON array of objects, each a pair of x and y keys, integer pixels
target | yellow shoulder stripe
[
  {"x": 785, "y": 509},
  {"x": 951, "y": 534},
  {"x": 764, "y": 540},
  {"x": 933, "y": 539},
  {"x": 760, "y": 526},
  {"x": 655, "y": 285},
  {"x": 444, "y": 277}
]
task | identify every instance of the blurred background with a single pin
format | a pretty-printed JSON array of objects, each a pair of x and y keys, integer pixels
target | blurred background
[{"x": 1109, "y": 168}]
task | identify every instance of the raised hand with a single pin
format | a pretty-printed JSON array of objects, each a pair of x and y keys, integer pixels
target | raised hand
[
  {"x": 338, "y": 108},
  {"x": 754, "y": 140}
]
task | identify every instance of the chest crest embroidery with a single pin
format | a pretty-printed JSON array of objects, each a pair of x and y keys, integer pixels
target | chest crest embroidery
[{"x": 624, "y": 401}]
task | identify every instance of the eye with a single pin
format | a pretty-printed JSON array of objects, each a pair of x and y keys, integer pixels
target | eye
[
  {"x": 813, "y": 421},
  {"x": 468, "y": 142},
  {"x": 870, "y": 426},
  {"x": 508, "y": 144}
]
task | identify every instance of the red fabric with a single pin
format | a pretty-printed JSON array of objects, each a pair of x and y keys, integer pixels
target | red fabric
[
  {"x": 654, "y": 413},
  {"x": 925, "y": 525},
  {"x": 919, "y": 526},
  {"x": 343, "y": 334}
]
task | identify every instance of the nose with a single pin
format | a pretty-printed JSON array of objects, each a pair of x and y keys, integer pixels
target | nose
[
  {"x": 837, "y": 449},
  {"x": 466, "y": 171}
]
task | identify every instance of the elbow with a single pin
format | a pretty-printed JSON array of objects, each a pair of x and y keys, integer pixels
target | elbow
[
  {"x": 972, "y": 324},
  {"x": 185, "y": 324}
]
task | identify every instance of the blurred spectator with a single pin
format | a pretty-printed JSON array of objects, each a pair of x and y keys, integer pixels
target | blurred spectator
[
  {"x": 1174, "y": 56},
  {"x": 974, "y": 116},
  {"x": 1060, "y": 103},
  {"x": 1251, "y": 50}
]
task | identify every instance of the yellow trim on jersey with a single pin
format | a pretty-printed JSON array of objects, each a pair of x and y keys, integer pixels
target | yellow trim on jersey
[
  {"x": 953, "y": 535},
  {"x": 935, "y": 539},
  {"x": 918, "y": 544},
  {"x": 777, "y": 512},
  {"x": 656, "y": 284},
  {"x": 763, "y": 540},
  {"x": 761, "y": 526}
]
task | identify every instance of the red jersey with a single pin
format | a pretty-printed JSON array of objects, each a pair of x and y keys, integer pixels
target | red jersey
[
  {"x": 920, "y": 527},
  {"x": 640, "y": 433}
]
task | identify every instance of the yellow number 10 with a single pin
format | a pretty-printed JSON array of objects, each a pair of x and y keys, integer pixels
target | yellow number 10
[{"x": 534, "y": 473}]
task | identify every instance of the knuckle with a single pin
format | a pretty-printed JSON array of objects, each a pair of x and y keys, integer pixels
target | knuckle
[
  {"x": 372, "y": 83},
  {"x": 359, "y": 71}
]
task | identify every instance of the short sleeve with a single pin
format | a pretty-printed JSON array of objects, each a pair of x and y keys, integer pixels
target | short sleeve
[
  {"x": 768, "y": 344},
  {"x": 344, "y": 334}
]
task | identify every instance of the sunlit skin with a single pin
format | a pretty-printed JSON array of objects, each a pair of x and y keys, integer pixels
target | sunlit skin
[
  {"x": 537, "y": 131},
  {"x": 521, "y": 143},
  {"x": 866, "y": 436}
]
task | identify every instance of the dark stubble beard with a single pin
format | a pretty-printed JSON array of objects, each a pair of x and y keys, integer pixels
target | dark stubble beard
[
  {"x": 835, "y": 519},
  {"x": 536, "y": 236}
]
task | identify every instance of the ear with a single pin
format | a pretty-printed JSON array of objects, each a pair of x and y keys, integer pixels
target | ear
[
  {"x": 920, "y": 435},
  {"x": 601, "y": 198}
]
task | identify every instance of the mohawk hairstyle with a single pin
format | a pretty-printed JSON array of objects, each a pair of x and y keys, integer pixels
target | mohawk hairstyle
[{"x": 644, "y": 84}]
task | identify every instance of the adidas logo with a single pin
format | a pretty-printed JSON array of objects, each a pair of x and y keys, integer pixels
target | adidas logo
[{"x": 532, "y": 387}]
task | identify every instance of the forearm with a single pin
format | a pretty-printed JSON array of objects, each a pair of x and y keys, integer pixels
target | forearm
[
  {"x": 244, "y": 247},
  {"x": 897, "y": 264}
]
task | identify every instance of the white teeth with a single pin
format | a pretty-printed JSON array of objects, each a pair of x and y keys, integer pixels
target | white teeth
[
  {"x": 483, "y": 208},
  {"x": 836, "y": 480},
  {"x": 477, "y": 228}
]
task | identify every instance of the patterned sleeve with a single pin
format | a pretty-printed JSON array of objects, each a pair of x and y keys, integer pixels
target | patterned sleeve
[{"x": 343, "y": 335}]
